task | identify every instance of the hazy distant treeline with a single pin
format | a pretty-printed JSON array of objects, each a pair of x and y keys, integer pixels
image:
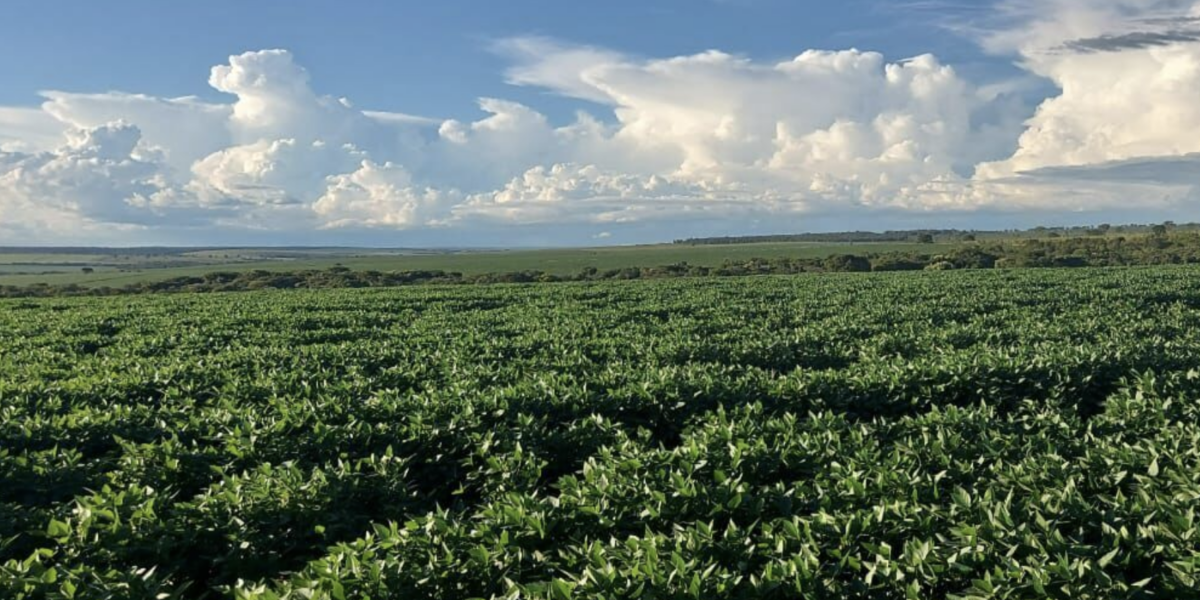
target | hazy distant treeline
[
  {"x": 1154, "y": 249},
  {"x": 945, "y": 235}
]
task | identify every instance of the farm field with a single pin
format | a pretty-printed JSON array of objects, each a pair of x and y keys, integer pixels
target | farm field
[
  {"x": 982, "y": 434},
  {"x": 116, "y": 270}
]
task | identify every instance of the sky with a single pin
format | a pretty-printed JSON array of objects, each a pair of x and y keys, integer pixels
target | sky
[{"x": 531, "y": 123}]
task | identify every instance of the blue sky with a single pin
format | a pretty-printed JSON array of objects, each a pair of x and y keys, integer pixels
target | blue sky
[
  {"x": 571, "y": 123},
  {"x": 431, "y": 58}
]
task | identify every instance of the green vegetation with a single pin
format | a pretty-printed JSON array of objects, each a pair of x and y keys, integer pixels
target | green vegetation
[
  {"x": 982, "y": 434},
  {"x": 127, "y": 267},
  {"x": 1160, "y": 249},
  {"x": 119, "y": 270}
]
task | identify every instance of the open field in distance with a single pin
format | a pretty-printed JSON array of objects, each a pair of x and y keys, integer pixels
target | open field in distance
[{"x": 116, "y": 269}]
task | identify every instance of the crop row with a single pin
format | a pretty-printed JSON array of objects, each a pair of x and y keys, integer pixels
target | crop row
[{"x": 926, "y": 435}]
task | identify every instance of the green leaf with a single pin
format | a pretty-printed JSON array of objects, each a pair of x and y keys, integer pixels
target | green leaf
[
  {"x": 58, "y": 529},
  {"x": 961, "y": 497},
  {"x": 561, "y": 590},
  {"x": 983, "y": 585},
  {"x": 912, "y": 591},
  {"x": 734, "y": 502}
]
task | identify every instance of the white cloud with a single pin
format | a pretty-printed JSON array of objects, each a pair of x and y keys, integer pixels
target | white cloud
[
  {"x": 847, "y": 120},
  {"x": 274, "y": 98},
  {"x": 28, "y": 130},
  {"x": 101, "y": 174},
  {"x": 182, "y": 129},
  {"x": 573, "y": 193},
  {"x": 380, "y": 196},
  {"x": 286, "y": 171},
  {"x": 1129, "y": 74},
  {"x": 709, "y": 137},
  {"x": 545, "y": 62}
]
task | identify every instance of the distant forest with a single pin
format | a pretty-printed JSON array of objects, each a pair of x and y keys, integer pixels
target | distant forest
[
  {"x": 1162, "y": 245},
  {"x": 945, "y": 235}
]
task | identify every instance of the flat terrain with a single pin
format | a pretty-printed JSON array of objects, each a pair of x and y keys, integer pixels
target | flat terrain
[
  {"x": 118, "y": 269},
  {"x": 934, "y": 435}
]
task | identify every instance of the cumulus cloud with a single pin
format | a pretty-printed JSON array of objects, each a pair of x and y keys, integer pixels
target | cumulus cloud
[
  {"x": 183, "y": 130},
  {"x": 847, "y": 120},
  {"x": 100, "y": 174},
  {"x": 1129, "y": 73},
  {"x": 273, "y": 94},
  {"x": 574, "y": 193},
  {"x": 711, "y": 137},
  {"x": 281, "y": 171},
  {"x": 381, "y": 196}
]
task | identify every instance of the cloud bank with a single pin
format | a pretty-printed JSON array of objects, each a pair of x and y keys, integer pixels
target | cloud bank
[
  {"x": 1129, "y": 73},
  {"x": 714, "y": 139}
]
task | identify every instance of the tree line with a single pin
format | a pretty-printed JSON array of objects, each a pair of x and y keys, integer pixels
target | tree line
[
  {"x": 1109, "y": 251},
  {"x": 946, "y": 235}
]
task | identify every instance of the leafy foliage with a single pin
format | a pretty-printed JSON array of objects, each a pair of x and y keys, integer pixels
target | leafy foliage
[{"x": 968, "y": 435}]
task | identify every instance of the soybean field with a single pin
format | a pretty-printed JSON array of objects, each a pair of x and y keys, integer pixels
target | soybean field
[{"x": 970, "y": 435}]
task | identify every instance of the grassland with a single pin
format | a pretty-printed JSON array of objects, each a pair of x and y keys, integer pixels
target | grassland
[{"x": 117, "y": 269}]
